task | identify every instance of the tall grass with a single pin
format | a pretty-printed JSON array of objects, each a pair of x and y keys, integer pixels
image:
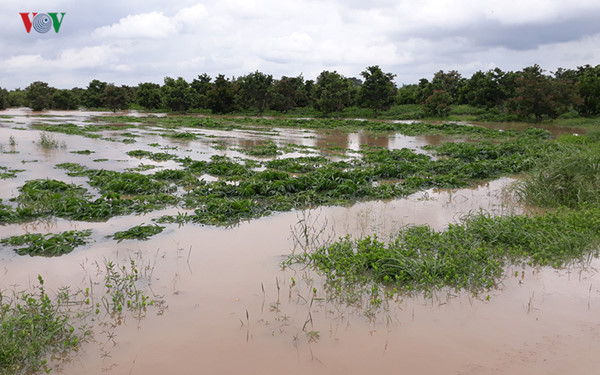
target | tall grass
[{"x": 569, "y": 176}]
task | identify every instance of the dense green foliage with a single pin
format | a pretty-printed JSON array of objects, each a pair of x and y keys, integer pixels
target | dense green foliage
[
  {"x": 332, "y": 93},
  {"x": 177, "y": 94},
  {"x": 529, "y": 94},
  {"x": 39, "y": 95},
  {"x": 378, "y": 90},
  {"x": 254, "y": 91}
]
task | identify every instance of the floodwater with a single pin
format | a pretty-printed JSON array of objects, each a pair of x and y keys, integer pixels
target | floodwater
[{"x": 231, "y": 307}]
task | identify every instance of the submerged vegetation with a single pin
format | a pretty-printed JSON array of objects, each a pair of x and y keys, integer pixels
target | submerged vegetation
[
  {"x": 243, "y": 189},
  {"x": 48, "y": 244},
  {"x": 472, "y": 254},
  {"x": 139, "y": 232}
]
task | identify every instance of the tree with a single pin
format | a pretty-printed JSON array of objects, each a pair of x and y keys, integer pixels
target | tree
[
  {"x": 424, "y": 90},
  {"x": 177, "y": 94},
  {"x": 3, "y": 98},
  {"x": 588, "y": 86},
  {"x": 64, "y": 99},
  {"x": 407, "y": 94},
  {"x": 39, "y": 95},
  {"x": 306, "y": 100},
  {"x": 17, "y": 98},
  {"x": 221, "y": 96},
  {"x": 94, "y": 94},
  {"x": 148, "y": 95},
  {"x": 288, "y": 93},
  {"x": 254, "y": 91},
  {"x": 200, "y": 89},
  {"x": 450, "y": 82},
  {"x": 438, "y": 104},
  {"x": 115, "y": 97},
  {"x": 332, "y": 93},
  {"x": 488, "y": 90},
  {"x": 378, "y": 90},
  {"x": 540, "y": 96}
]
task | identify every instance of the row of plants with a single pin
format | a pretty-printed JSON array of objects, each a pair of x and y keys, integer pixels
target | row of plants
[{"x": 528, "y": 94}]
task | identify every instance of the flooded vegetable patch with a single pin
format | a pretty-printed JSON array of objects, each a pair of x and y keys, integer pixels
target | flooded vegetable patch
[{"x": 209, "y": 219}]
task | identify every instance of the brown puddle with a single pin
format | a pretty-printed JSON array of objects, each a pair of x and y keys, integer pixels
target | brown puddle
[{"x": 232, "y": 309}]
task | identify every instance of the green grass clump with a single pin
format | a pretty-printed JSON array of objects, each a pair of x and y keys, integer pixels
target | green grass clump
[
  {"x": 46, "y": 197},
  {"x": 264, "y": 149},
  {"x": 48, "y": 244},
  {"x": 32, "y": 326},
  {"x": 470, "y": 255},
  {"x": 139, "y": 232},
  {"x": 570, "y": 177},
  {"x": 183, "y": 135},
  {"x": 130, "y": 183},
  {"x": 156, "y": 156}
]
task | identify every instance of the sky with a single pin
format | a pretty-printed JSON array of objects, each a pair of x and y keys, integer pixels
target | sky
[{"x": 133, "y": 41}]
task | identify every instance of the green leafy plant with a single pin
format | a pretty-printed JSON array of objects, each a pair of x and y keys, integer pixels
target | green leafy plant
[
  {"x": 48, "y": 244},
  {"x": 123, "y": 291},
  {"x": 31, "y": 327},
  {"x": 139, "y": 232}
]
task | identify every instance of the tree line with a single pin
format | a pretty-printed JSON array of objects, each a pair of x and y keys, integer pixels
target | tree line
[{"x": 530, "y": 94}]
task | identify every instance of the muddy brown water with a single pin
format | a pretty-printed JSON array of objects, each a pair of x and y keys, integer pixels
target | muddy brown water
[{"x": 233, "y": 309}]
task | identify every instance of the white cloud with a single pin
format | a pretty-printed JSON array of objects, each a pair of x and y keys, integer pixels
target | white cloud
[
  {"x": 413, "y": 39},
  {"x": 147, "y": 25},
  {"x": 23, "y": 61},
  {"x": 87, "y": 57}
]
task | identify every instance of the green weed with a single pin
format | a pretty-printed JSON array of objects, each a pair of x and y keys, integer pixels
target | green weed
[
  {"x": 32, "y": 327},
  {"x": 47, "y": 244},
  {"x": 139, "y": 232},
  {"x": 265, "y": 149},
  {"x": 48, "y": 142},
  {"x": 123, "y": 291}
]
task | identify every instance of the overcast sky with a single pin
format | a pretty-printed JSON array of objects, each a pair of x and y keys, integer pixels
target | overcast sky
[{"x": 128, "y": 42}]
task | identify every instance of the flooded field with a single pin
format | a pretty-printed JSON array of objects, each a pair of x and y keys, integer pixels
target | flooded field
[{"x": 229, "y": 305}]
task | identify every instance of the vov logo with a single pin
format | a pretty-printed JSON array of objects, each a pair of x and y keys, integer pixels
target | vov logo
[{"x": 42, "y": 22}]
